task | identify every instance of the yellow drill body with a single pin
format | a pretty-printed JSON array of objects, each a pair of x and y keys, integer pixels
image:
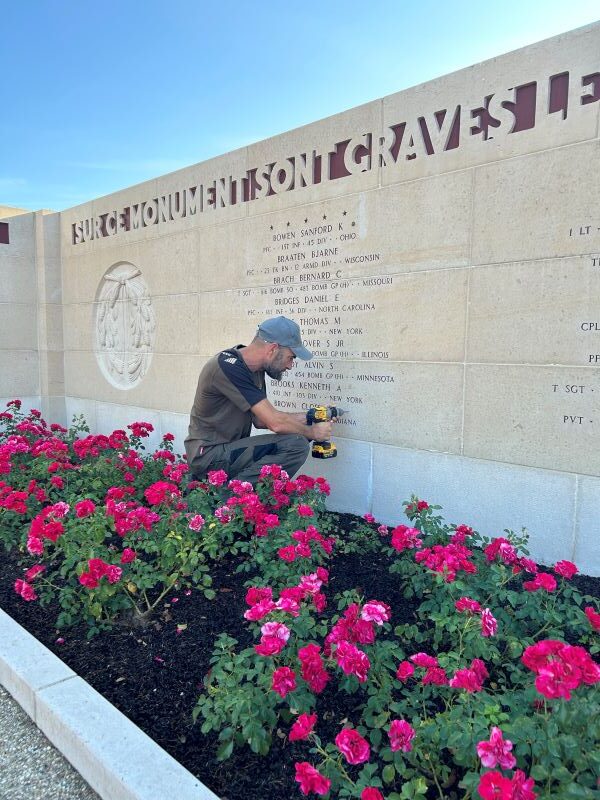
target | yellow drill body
[{"x": 323, "y": 414}]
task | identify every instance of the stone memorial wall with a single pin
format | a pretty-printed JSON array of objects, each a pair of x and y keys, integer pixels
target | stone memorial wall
[{"x": 440, "y": 249}]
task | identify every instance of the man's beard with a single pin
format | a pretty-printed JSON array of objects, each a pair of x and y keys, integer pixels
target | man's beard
[
  {"x": 276, "y": 368},
  {"x": 274, "y": 373}
]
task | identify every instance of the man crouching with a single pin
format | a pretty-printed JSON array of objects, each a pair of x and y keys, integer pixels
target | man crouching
[{"x": 231, "y": 397}]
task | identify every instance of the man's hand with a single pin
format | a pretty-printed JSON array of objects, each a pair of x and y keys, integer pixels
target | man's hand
[
  {"x": 321, "y": 431},
  {"x": 283, "y": 422}
]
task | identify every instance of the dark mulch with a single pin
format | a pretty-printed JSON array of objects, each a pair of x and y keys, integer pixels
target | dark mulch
[{"x": 154, "y": 675}]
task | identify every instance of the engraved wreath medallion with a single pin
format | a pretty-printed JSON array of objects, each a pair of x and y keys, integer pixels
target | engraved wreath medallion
[{"x": 125, "y": 326}]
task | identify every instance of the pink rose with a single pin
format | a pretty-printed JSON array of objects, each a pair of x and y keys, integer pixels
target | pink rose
[
  {"x": 565, "y": 568},
  {"x": 217, "y": 477},
  {"x": 496, "y": 751},
  {"x": 467, "y": 679},
  {"x": 84, "y": 508},
  {"x": 34, "y": 571},
  {"x": 287, "y": 553},
  {"x": 284, "y": 681},
  {"x": 543, "y": 580},
  {"x": 593, "y": 617},
  {"x": 24, "y": 589},
  {"x": 35, "y": 546},
  {"x": 310, "y": 779},
  {"x": 305, "y": 511},
  {"x": 467, "y": 604},
  {"x": 376, "y": 612},
  {"x": 353, "y": 746},
  {"x": 352, "y": 660},
  {"x": 128, "y": 555},
  {"x": 88, "y": 580},
  {"x": 257, "y": 593},
  {"x": 113, "y": 573},
  {"x": 302, "y": 727},
  {"x": 494, "y": 786},
  {"x": 489, "y": 625},
  {"x": 435, "y": 676},
  {"x": 405, "y": 671},
  {"x": 370, "y": 793},
  {"x": 401, "y": 734},
  {"x": 424, "y": 660},
  {"x": 196, "y": 523}
]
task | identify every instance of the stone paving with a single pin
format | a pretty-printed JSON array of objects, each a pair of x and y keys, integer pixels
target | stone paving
[{"x": 30, "y": 767}]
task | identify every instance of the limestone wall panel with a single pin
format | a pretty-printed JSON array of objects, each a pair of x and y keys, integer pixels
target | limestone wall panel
[
  {"x": 79, "y": 324},
  {"x": 177, "y": 329},
  {"x": 169, "y": 384},
  {"x": 402, "y": 228},
  {"x": 536, "y": 312},
  {"x": 544, "y": 205},
  {"x": 487, "y": 495},
  {"x": 407, "y": 317},
  {"x": 534, "y": 415},
  {"x": 19, "y": 373},
  {"x": 18, "y": 326}
]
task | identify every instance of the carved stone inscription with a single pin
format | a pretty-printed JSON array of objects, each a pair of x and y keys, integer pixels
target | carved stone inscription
[
  {"x": 305, "y": 266},
  {"x": 124, "y": 326},
  {"x": 387, "y": 338}
]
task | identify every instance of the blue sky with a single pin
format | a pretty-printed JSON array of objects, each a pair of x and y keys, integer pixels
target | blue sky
[{"x": 95, "y": 97}]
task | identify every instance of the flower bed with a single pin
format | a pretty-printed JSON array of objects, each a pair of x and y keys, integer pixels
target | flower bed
[{"x": 421, "y": 661}]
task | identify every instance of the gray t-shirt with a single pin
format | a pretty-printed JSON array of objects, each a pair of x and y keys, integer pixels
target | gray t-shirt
[{"x": 226, "y": 392}]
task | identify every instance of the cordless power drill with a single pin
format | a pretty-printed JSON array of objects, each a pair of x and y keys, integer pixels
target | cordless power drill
[{"x": 323, "y": 414}]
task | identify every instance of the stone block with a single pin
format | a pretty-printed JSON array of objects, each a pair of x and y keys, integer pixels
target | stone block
[
  {"x": 535, "y": 312},
  {"x": 529, "y": 415},
  {"x": 50, "y": 280},
  {"x": 587, "y": 527},
  {"x": 26, "y": 666},
  {"x": 348, "y": 474},
  {"x": 170, "y": 384},
  {"x": 50, "y": 331},
  {"x": 177, "y": 424},
  {"x": 17, "y": 279},
  {"x": 21, "y": 239},
  {"x": 534, "y": 208},
  {"x": 51, "y": 236},
  {"x": 79, "y": 406},
  {"x": 403, "y": 317},
  {"x": 52, "y": 380},
  {"x": 19, "y": 373},
  {"x": 489, "y": 496},
  {"x": 424, "y": 224},
  {"x": 18, "y": 326},
  {"x": 381, "y": 232},
  {"x": 54, "y": 409},
  {"x": 418, "y": 404},
  {"x": 177, "y": 329}
]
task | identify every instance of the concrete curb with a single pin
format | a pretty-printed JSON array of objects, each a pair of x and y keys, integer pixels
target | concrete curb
[{"x": 113, "y": 755}]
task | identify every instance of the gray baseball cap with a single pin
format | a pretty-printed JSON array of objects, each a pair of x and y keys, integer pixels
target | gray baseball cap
[{"x": 284, "y": 332}]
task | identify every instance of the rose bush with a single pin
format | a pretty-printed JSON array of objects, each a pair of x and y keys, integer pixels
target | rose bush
[
  {"x": 489, "y": 691},
  {"x": 484, "y": 694}
]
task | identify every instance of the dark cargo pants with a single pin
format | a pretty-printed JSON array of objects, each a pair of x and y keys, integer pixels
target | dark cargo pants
[{"x": 244, "y": 458}]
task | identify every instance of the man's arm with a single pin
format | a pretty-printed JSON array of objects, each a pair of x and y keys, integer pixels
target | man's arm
[{"x": 281, "y": 422}]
